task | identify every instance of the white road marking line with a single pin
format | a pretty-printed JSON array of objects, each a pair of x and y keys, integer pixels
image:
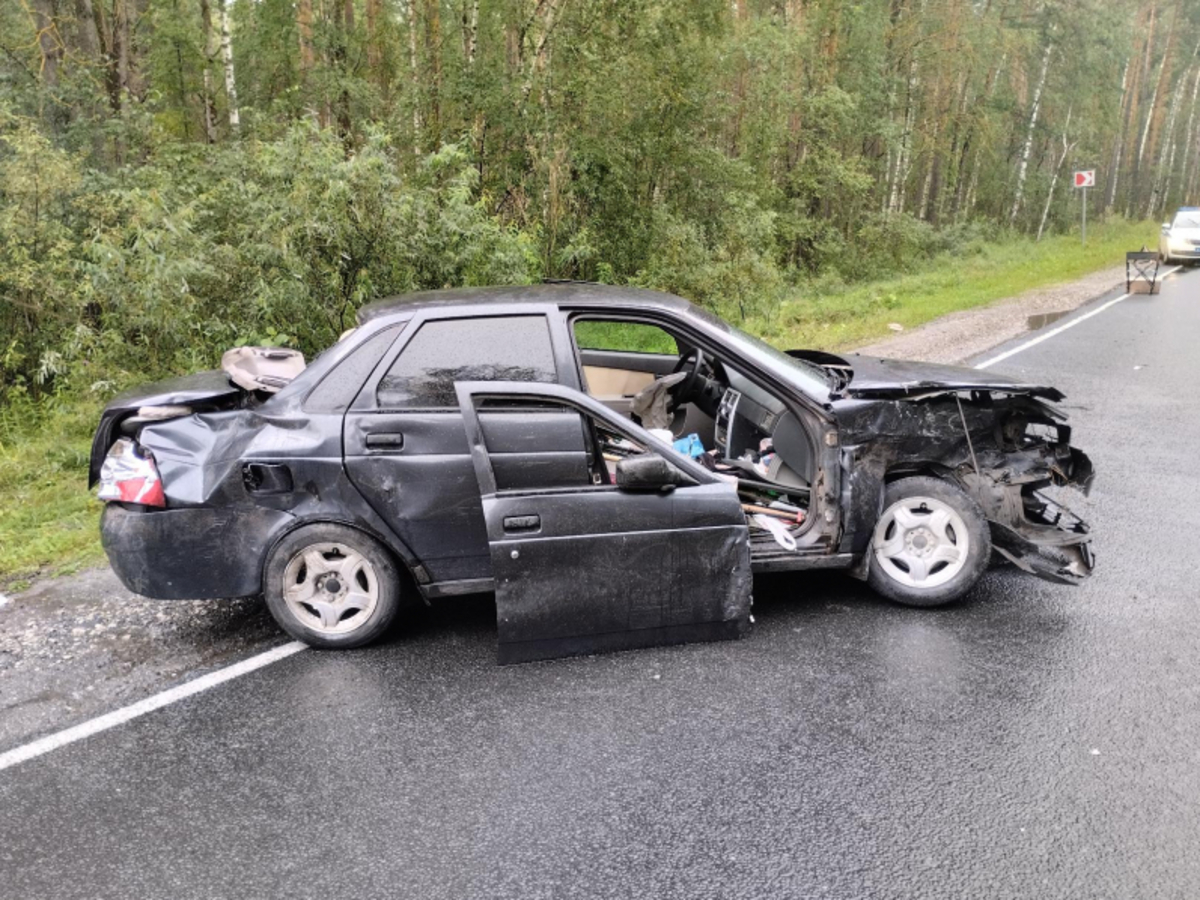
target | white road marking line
[
  {"x": 157, "y": 701},
  {"x": 1061, "y": 328}
]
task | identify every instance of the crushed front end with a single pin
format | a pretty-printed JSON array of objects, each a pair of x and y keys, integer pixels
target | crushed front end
[
  {"x": 1019, "y": 477},
  {"x": 1007, "y": 446}
]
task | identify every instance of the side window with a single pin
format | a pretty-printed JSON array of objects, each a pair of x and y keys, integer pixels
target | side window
[
  {"x": 628, "y": 337},
  {"x": 337, "y": 390},
  {"x": 500, "y": 348},
  {"x": 557, "y": 446},
  {"x": 547, "y": 446}
]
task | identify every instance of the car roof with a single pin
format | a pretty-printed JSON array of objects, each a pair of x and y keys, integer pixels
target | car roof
[{"x": 562, "y": 293}]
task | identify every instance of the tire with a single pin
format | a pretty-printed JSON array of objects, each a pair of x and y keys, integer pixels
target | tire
[
  {"x": 332, "y": 587},
  {"x": 930, "y": 545}
]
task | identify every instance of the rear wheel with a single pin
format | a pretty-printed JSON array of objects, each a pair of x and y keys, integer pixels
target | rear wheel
[
  {"x": 332, "y": 586},
  {"x": 930, "y": 545}
]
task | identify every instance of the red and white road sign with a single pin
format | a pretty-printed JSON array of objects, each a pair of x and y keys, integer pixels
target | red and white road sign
[{"x": 1086, "y": 178}]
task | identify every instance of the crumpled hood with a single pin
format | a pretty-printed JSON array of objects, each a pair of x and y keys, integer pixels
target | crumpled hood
[{"x": 872, "y": 377}]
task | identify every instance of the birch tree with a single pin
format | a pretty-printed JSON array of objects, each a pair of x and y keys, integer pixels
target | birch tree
[
  {"x": 231, "y": 97},
  {"x": 1067, "y": 147},
  {"x": 1034, "y": 107}
]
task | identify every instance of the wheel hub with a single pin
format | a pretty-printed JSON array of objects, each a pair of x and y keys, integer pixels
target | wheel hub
[
  {"x": 921, "y": 542},
  {"x": 331, "y": 588}
]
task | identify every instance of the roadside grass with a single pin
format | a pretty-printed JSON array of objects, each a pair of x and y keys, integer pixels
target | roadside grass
[
  {"x": 838, "y": 317},
  {"x": 49, "y": 519}
]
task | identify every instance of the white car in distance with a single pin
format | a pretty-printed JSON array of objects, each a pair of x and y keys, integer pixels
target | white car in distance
[{"x": 1180, "y": 238}]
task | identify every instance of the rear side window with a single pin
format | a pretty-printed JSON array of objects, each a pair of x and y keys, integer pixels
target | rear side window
[
  {"x": 500, "y": 348},
  {"x": 339, "y": 387}
]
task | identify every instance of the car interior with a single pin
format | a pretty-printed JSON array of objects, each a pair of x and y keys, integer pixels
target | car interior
[{"x": 709, "y": 409}]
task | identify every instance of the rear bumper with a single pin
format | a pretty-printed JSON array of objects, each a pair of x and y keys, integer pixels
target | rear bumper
[{"x": 190, "y": 554}]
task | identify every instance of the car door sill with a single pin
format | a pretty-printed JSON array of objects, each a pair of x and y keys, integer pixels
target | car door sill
[
  {"x": 458, "y": 587},
  {"x": 786, "y": 562},
  {"x": 783, "y": 562}
]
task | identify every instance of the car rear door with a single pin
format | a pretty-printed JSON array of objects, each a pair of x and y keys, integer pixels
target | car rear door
[
  {"x": 405, "y": 450},
  {"x": 590, "y": 567}
]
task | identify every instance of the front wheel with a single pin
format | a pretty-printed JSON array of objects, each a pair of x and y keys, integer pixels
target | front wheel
[
  {"x": 331, "y": 586},
  {"x": 930, "y": 545}
]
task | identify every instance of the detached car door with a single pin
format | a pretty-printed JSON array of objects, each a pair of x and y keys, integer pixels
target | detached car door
[{"x": 593, "y": 567}]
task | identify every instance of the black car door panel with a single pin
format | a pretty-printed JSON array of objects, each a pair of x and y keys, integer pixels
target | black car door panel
[
  {"x": 425, "y": 487},
  {"x": 585, "y": 568}
]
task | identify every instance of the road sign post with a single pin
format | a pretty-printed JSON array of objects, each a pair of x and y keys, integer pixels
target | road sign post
[{"x": 1083, "y": 180}]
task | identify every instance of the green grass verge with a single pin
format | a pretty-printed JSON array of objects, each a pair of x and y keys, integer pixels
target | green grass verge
[
  {"x": 843, "y": 317},
  {"x": 48, "y": 517},
  {"x": 49, "y": 520}
]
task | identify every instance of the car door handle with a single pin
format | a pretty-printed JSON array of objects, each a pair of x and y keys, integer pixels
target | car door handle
[
  {"x": 522, "y": 523},
  {"x": 387, "y": 440}
]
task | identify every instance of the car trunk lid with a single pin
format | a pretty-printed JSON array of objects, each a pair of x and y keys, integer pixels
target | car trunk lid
[{"x": 201, "y": 391}]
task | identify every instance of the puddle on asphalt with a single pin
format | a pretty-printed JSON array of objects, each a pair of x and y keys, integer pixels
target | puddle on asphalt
[{"x": 1041, "y": 320}]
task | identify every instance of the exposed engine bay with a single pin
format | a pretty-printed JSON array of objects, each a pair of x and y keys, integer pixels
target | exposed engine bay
[{"x": 1005, "y": 444}]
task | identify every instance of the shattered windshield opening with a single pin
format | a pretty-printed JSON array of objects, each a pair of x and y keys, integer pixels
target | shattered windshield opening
[{"x": 812, "y": 376}]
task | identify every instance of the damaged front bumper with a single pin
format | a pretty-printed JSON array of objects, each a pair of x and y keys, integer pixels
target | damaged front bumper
[
  {"x": 1036, "y": 533},
  {"x": 1050, "y": 542}
]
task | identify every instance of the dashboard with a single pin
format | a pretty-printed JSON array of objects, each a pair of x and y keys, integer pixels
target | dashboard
[{"x": 747, "y": 415}]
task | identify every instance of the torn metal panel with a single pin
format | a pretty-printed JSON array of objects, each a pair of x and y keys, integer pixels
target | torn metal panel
[
  {"x": 869, "y": 377},
  {"x": 237, "y": 474},
  {"x": 1003, "y": 449}
]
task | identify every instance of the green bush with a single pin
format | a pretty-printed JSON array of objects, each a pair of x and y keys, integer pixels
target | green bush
[{"x": 159, "y": 268}]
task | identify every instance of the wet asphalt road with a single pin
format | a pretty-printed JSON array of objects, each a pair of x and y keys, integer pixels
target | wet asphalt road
[{"x": 1034, "y": 741}]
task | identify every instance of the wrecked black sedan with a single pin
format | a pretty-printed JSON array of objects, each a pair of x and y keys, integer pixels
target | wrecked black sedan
[{"x": 614, "y": 463}]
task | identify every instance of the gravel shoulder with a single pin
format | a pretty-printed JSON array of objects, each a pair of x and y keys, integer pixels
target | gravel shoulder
[
  {"x": 74, "y": 647},
  {"x": 78, "y": 646},
  {"x": 962, "y": 335}
]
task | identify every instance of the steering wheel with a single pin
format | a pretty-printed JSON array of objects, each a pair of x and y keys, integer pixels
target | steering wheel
[{"x": 680, "y": 392}]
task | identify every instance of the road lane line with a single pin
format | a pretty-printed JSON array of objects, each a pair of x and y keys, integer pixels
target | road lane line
[
  {"x": 149, "y": 704},
  {"x": 1063, "y": 327}
]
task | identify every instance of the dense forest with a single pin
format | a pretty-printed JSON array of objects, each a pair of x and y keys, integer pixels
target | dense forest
[{"x": 177, "y": 176}]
